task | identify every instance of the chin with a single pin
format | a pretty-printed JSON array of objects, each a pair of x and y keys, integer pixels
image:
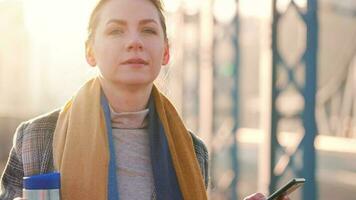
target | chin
[
  {"x": 136, "y": 78},
  {"x": 134, "y": 82}
]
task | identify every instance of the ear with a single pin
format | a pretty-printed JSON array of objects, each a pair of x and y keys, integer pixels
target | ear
[
  {"x": 166, "y": 54},
  {"x": 89, "y": 54}
]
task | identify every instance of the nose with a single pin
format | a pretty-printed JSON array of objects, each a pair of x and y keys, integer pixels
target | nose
[{"x": 134, "y": 43}]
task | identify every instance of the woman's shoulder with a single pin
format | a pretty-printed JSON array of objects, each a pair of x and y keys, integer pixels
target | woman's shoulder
[
  {"x": 44, "y": 121},
  {"x": 200, "y": 148},
  {"x": 32, "y": 144},
  {"x": 201, "y": 152},
  {"x": 41, "y": 124},
  {"x": 199, "y": 144}
]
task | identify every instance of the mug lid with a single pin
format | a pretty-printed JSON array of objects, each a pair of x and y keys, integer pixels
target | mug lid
[{"x": 42, "y": 181}]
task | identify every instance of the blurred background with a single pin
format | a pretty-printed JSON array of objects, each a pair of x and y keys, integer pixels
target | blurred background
[{"x": 269, "y": 85}]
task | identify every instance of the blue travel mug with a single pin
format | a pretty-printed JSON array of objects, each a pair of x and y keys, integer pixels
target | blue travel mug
[{"x": 42, "y": 187}]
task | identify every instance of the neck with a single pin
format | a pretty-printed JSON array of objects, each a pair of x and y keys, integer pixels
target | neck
[{"x": 126, "y": 98}]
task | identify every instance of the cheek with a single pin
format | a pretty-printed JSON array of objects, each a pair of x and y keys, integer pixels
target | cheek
[
  {"x": 106, "y": 53},
  {"x": 156, "y": 52}
]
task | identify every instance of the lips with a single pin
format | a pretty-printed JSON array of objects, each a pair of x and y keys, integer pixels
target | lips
[{"x": 135, "y": 61}]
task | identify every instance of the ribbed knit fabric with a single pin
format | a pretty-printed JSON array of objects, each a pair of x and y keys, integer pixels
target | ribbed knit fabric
[{"x": 134, "y": 171}]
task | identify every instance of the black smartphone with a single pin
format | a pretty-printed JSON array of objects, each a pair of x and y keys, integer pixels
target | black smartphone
[{"x": 288, "y": 188}]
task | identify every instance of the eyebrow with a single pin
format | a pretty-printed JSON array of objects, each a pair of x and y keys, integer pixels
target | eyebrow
[{"x": 122, "y": 22}]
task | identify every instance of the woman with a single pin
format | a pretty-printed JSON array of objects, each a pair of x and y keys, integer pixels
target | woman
[{"x": 118, "y": 137}]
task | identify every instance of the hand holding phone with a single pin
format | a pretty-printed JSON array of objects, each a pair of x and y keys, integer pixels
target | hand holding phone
[{"x": 288, "y": 188}]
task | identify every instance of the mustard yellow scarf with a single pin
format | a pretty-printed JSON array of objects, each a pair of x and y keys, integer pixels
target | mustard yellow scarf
[{"x": 81, "y": 147}]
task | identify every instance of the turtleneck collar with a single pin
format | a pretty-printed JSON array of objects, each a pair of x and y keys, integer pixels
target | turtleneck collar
[{"x": 129, "y": 120}]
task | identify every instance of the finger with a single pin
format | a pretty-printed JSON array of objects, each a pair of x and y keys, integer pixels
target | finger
[
  {"x": 284, "y": 197},
  {"x": 256, "y": 196}
]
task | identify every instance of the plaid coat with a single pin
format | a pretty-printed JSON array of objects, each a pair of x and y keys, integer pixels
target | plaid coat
[{"x": 32, "y": 154}]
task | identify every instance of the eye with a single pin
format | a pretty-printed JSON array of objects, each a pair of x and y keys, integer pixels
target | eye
[
  {"x": 115, "y": 31},
  {"x": 149, "y": 30}
]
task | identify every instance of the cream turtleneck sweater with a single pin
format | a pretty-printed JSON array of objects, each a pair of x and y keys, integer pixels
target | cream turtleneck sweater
[{"x": 134, "y": 170}]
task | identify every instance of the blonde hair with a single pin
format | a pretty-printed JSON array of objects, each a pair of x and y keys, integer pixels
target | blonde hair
[{"x": 94, "y": 18}]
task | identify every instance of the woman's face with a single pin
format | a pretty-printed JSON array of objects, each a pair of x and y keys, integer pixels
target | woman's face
[{"x": 129, "y": 46}]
